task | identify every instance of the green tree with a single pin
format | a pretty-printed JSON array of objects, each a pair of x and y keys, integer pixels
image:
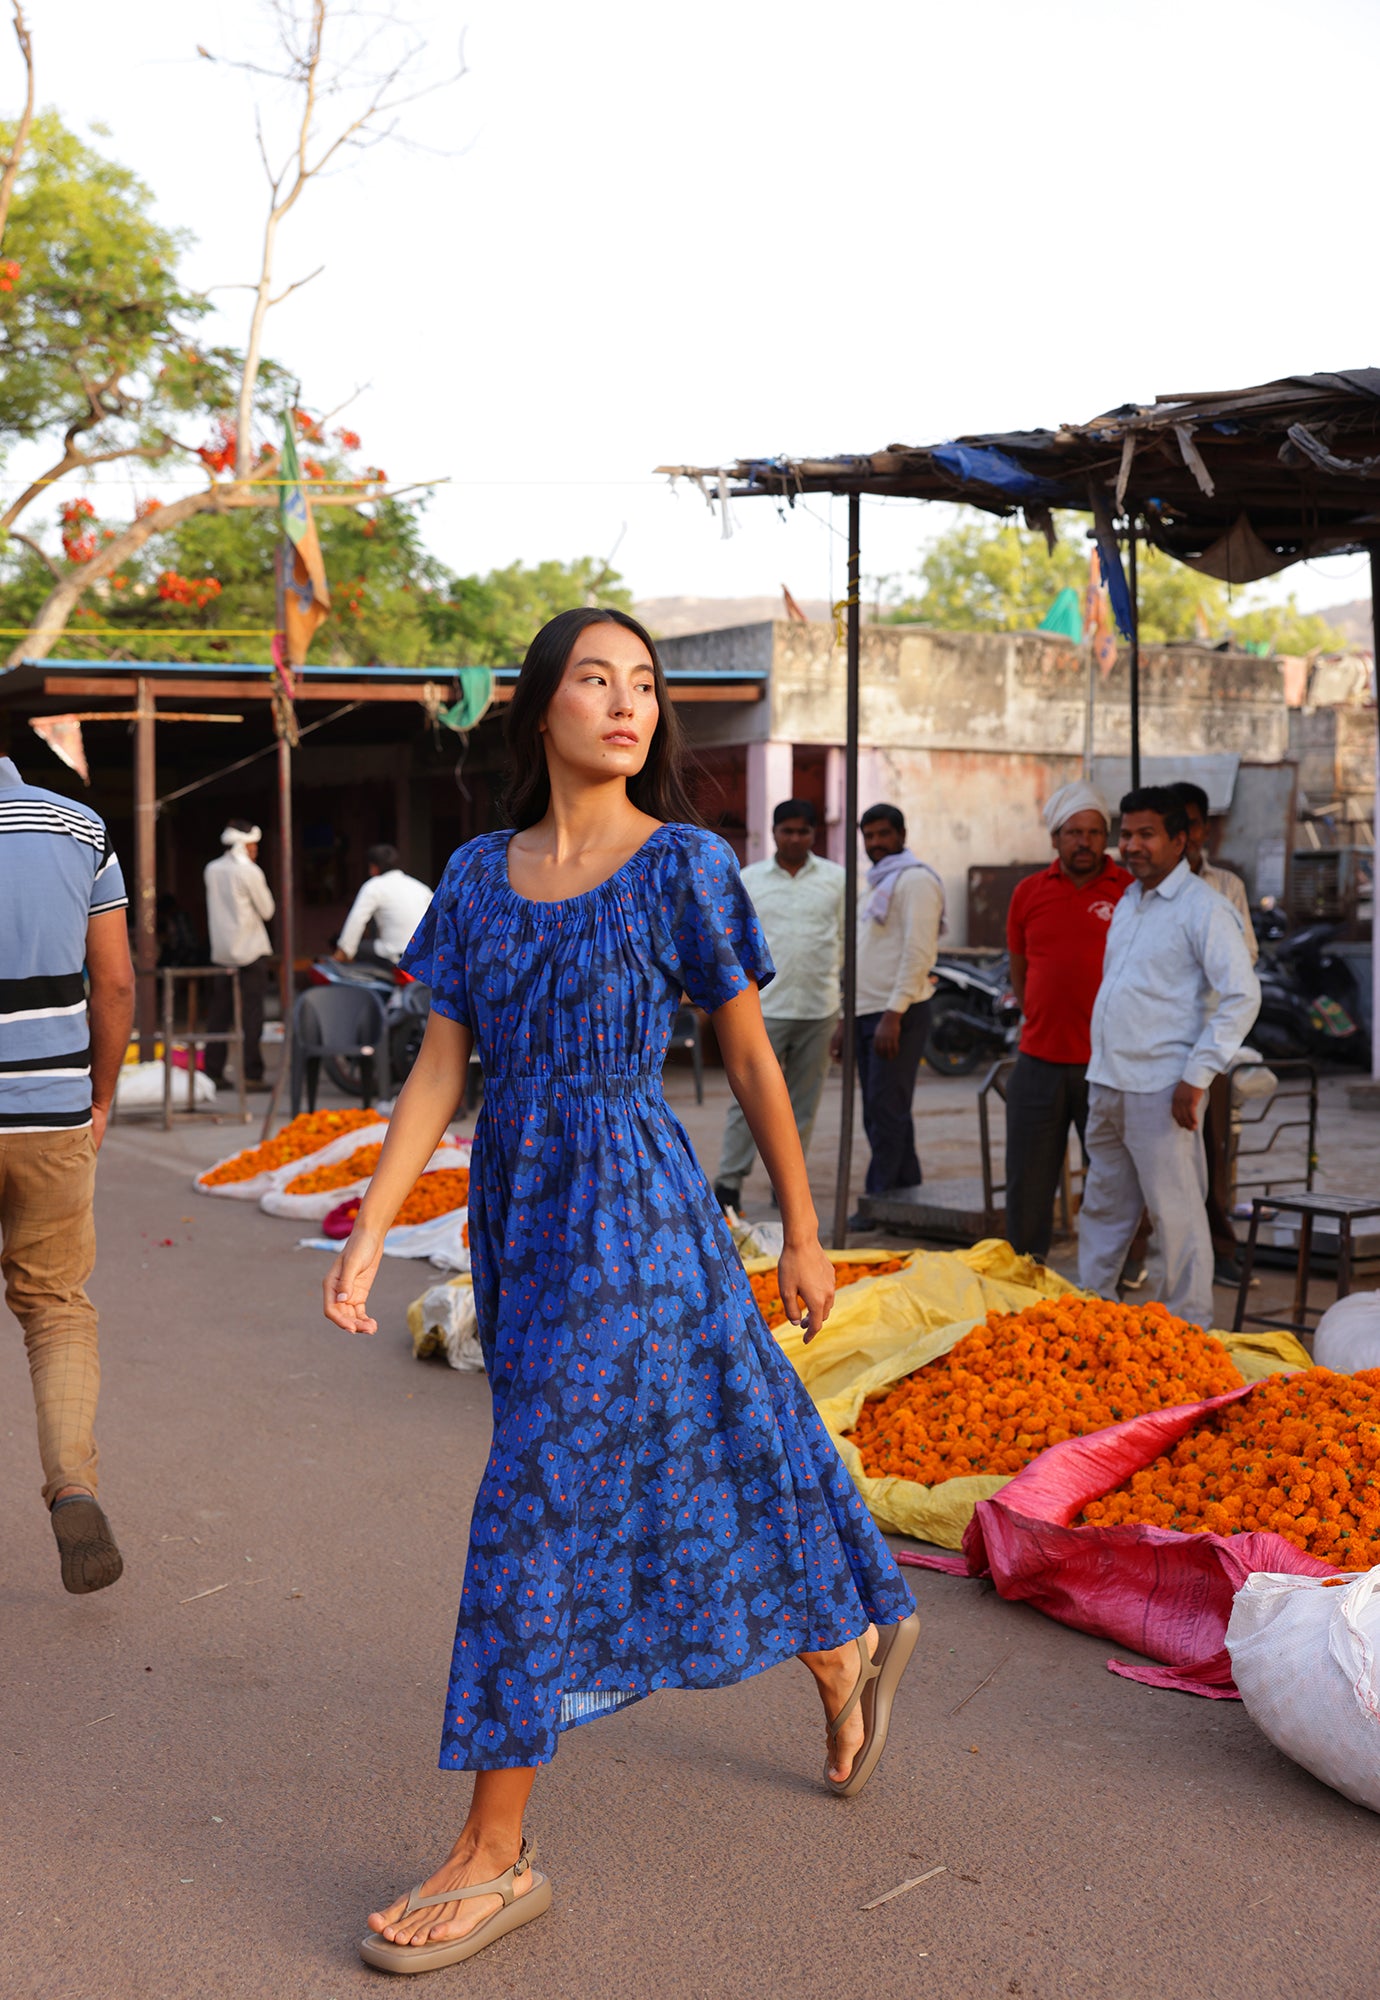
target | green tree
[
  {"x": 983, "y": 575},
  {"x": 488, "y": 620}
]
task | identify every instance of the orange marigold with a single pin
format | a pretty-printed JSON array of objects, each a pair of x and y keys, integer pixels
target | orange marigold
[
  {"x": 319, "y": 1180},
  {"x": 435, "y": 1194},
  {"x": 1027, "y": 1380},
  {"x": 766, "y": 1288},
  {"x": 305, "y": 1134},
  {"x": 1298, "y": 1457}
]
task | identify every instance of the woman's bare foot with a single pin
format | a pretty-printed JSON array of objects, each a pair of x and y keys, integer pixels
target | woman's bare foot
[
  {"x": 467, "y": 1862},
  {"x": 836, "y": 1676}
]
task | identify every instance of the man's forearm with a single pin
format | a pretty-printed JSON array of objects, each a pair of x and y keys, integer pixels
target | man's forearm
[{"x": 111, "y": 1012}]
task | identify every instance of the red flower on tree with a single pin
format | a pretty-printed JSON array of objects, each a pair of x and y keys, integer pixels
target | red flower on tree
[
  {"x": 219, "y": 454},
  {"x": 307, "y": 426},
  {"x": 347, "y": 440},
  {"x": 197, "y": 591},
  {"x": 9, "y": 273},
  {"x": 78, "y": 539}
]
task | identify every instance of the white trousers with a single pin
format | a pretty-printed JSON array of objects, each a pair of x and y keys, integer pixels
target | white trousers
[{"x": 1139, "y": 1158}]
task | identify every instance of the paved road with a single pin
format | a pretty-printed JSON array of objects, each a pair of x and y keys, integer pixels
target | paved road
[{"x": 205, "y": 1792}]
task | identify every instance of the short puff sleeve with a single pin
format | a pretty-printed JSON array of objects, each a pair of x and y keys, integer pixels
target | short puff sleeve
[
  {"x": 716, "y": 942},
  {"x": 436, "y": 953}
]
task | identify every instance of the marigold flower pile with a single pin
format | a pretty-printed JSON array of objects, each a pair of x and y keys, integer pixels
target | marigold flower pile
[
  {"x": 1027, "y": 1380},
  {"x": 766, "y": 1286},
  {"x": 435, "y": 1194},
  {"x": 305, "y": 1134},
  {"x": 319, "y": 1180},
  {"x": 1299, "y": 1456}
]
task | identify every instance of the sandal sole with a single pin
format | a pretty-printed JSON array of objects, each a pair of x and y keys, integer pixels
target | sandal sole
[
  {"x": 900, "y": 1644},
  {"x": 408, "y": 1958}
]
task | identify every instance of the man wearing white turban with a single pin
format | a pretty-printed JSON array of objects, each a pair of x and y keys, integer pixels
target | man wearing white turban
[
  {"x": 239, "y": 903},
  {"x": 1056, "y": 932}
]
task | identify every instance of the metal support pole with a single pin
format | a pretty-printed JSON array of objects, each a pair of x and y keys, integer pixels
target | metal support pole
[
  {"x": 287, "y": 927},
  {"x": 1135, "y": 652},
  {"x": 145, "y": 870},
  {"x": 850, "y": 868},
  {"x": 1375, "y": 820}
]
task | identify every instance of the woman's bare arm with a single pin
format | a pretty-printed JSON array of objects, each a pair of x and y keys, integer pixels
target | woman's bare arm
[
  {"x": 426, "y": 1104},
  {"x": 805, "y": 1273}
]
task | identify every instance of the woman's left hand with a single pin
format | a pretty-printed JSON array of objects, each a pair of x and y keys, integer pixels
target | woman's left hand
[{"x": 805, "y": 1278}]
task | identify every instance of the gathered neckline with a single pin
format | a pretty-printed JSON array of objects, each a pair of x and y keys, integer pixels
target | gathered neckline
[{"x": 505, "y": 840}]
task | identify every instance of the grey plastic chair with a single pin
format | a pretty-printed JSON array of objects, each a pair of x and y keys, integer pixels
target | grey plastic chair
[{"x": 338, "y": 1021}]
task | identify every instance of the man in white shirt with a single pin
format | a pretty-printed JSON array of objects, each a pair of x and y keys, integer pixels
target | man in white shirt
[
  {"x": 239, "y": 903},
  {"x": 1178, "y": 996},
  {"x": 1217, "y": 1110},
  {"x": 900, "y": 913},
  {"x": 396, "y": 902},
  {"x": 798, "y": 897}
]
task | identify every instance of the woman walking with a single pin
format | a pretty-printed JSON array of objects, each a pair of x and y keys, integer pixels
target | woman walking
[{"x": 662, "y": 1507}]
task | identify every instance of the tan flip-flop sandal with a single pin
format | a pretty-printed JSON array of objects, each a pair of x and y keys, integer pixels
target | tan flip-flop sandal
[
  {"x": 517, "y": 1910},
  {"x": 878, "y": 1679}
]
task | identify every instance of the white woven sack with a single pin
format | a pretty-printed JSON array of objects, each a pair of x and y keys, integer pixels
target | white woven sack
[
  {"x": 441, "y": 1240},
  {"x": 313, "y": 1207},
  {"x": 1306, "y": 1660},
  {"x": 139, "y": 1087},
  {"x": 262, "y": 1184},
  {"x": 448, "y": 1310},
  {"x": 1348, "y": 1334}
]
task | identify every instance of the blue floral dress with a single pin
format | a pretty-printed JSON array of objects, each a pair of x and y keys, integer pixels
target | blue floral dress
[{"x": 662, "y": 1506}]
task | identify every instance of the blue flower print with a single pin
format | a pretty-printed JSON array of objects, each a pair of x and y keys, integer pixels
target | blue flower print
[{"x": 662, "y": 1506}]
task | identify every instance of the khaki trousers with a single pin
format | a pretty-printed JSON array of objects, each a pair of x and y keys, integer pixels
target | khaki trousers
[
  {"x": 1138, "y": 1158},
  {"x": 47, "y": 1253},
  {"x": 802, "y": 1049}
]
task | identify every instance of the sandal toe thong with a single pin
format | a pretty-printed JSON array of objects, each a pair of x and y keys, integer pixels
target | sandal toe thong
[{"x": 517, "y": 1910}]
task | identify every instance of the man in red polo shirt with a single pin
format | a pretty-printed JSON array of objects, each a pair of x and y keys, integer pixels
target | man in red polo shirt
[{"x": 1056, "y": 932}]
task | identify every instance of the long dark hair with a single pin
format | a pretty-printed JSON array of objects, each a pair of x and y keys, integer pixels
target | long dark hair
[{"x": 659, "y": 788}]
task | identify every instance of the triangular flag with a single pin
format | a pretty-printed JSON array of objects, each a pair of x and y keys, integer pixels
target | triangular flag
[
  {"x": 62, "y": 734},
  {"x": 306, "y": 598}
]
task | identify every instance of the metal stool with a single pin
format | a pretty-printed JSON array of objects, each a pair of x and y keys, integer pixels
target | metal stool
[
  {"x": 1343, "y": 1209},
  {"x": 195, "y": 1040}
]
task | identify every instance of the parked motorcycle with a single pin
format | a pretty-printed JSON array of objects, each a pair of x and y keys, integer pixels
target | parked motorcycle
[
  {"x": 974, "y": 1015},
  {"x": 406, "y": 1004},
  {"x": 1309, "y": 1001}
]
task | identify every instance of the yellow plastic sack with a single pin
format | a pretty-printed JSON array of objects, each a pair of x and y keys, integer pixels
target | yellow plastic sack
[{"x": 882, "y": 1329}]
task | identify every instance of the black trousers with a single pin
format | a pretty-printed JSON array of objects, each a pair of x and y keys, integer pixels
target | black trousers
[
  {"x": 221, "y": 1015},
  {"x": 1042, "y": 1100},
  {"x": 888, "y": 1088}
]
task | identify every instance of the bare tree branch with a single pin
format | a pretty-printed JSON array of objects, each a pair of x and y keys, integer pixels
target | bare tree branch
[
  {"x": 26, "y": 118},
  {"x": 37, "y": 548},
  {"x": 297, "y": 286}
]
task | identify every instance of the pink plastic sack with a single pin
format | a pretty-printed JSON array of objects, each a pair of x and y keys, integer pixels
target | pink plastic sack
[{"x": 1165, "y": 1594}]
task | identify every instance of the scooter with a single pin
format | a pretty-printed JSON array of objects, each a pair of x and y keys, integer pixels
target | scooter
[
  {"x": 974, "y": 1015},
  {"x": 1309, "y": 1003},
  {"x": 406, "y": 1004}
]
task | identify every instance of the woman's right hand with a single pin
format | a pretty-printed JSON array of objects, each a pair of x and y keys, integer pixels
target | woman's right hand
[{"x": 345, "y": 1293}]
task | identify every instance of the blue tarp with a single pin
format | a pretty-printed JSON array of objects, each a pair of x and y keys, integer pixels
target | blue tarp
[{"x": 981, "y": 465}]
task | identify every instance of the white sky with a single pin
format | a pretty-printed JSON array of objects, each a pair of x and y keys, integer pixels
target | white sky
[{"x": 672, "y": 232}]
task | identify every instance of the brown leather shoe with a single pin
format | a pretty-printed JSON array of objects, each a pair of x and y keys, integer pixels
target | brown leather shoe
[{"x": 90, "y": 1559}]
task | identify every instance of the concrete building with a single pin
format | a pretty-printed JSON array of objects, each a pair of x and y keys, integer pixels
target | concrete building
[{"x": 970, "y": 732}]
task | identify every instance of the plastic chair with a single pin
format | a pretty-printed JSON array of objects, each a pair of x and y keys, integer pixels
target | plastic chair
[
  {"x": 685, "y": 1034},
  {"x": 338, "y": 1021}
]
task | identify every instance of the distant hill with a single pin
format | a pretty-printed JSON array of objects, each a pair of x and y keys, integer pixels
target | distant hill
[
  {"x": 671, "y": 617},
  {"x": 1354, "y": 619}
]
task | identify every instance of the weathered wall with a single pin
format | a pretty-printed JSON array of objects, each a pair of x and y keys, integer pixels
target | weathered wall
[{"x": 999, "y": 691}]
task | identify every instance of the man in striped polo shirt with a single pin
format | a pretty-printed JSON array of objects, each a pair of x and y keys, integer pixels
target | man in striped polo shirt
[{"x": 62, "y": 907}]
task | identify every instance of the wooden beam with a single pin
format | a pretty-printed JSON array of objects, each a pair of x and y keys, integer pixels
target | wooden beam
[
  {"x": 145, "y": 875},
  {"x": 228, "y": 690}
]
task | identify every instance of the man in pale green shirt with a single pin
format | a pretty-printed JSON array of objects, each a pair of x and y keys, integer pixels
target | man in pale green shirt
[{"x": 798, "y": 897}]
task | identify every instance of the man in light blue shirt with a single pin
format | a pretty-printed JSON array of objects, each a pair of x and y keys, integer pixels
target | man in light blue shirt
[
  {"x": 1177, "y": 998},
  {"x": 798, "y": 897}
]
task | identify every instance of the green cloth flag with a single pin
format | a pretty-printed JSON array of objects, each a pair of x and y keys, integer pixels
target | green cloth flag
[{"x": 1064, "y": 616}]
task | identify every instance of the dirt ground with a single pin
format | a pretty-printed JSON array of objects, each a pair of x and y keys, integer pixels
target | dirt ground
[{"x": 215, "y": 1768}]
